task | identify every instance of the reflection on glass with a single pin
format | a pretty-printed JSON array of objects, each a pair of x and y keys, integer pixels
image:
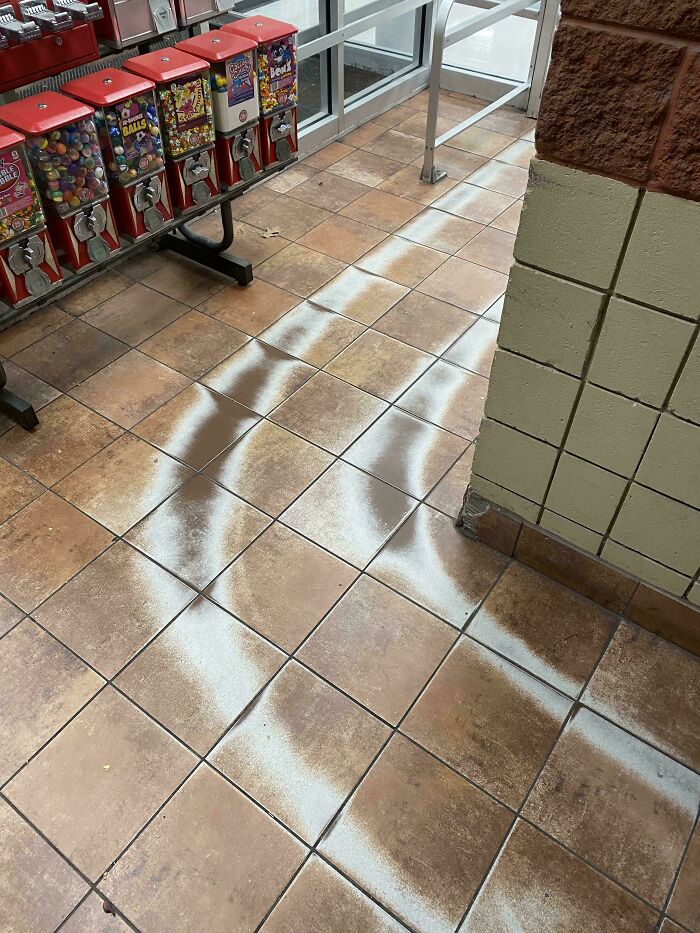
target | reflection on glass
[
  {"x": 502, "y": 50},
  {"x": 380, "y": 52}
]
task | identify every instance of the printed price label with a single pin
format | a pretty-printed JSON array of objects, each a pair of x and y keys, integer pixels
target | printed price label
[{"x": 162, "y": 16}]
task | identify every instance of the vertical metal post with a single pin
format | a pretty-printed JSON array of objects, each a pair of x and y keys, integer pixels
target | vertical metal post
[
  {"x": 336, "y": 20},
  {"x": 429, "y": 173},
  {"x": 541, "y": 51}
]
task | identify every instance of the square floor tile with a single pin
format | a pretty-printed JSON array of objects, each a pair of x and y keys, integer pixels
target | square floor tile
[
  {"x": 200, "y": 673},
  {"x": 405, "y": 452},
  {"x": 462, "y": 283},
  {"x": 248, "y": 241},
  {"x": 196, "y": 425},
  {"x": 198, "y": 531},
  {"x": 43, "y": 546},
  {"x": 328, "y": 412},
  {"x": 440, "y": 230},
  {"x": 382, "y": 210},
  {"x": 456, "y": 162},
  {"x": 16, "y": 490},
  {"x": 184, "y": 281},
  {"x": 448, "y": 495},
  {"x": 407, "y": 184},
  {"x": 380, "y": 365},
  {"x": 66, "y": 791},
  {"x": 491, "y": 248},
  {"x": 518, "y": 153},
  {"x": 135, "y": 313},
  {"x": 342, "y": 238},
  {"x": 396, "y": 145},
  {"x": 363, "y": 134},
  {"x": 69, "y": 434},
  {"x": 252, "y": 200},
  {"x": 433, "y": 564},
  {"x": 650, "y": 688},
  {"x": 509, "y": 219},
  {"x": 39, "y": 889},
  {"x": 43, "y": 322},
  {"x": 394, "y": 116},
  {"x": 365, "y": 168},
  {"x": 299, "y": 270},
  {"x": 130, "y": 388},
  {"x": 312, "y": 334},
  {"x": 44, "y": 684},
  {"x": 482, "y": 141},
  {"x": 685, "y": 902},
  {"x": 9, "y": 615},
  {"x": 508, "y": 120},
  {"x": 122, "y": 483},
  {"x": 91, "y": 917},
  {"x": 378, "y": 647},
  {"x": 194, "y": 343},
  {"x": 537, "y": 885},
  {"x": 106, "y": 285},
  {"x": 417, "y": 837},
  {"x": 269, "y": 467},
  {"x": 258, "y": 376},
  {"x": 544, "y": 627},
  {"x": 329, "y": 155},
  {"x": 498, "y": 176},
  {"x": 28, "y": 387},
  {"x": 359, "y": 295},
  {"x": 473, "y": 203},
  {"x": 402, "y": 261},
  {"x": 489, "y": 720},
  {"x": 623, "y": 806},
  {"x": 284, "y": 752},
  {"x": 495, "y": 311},
  {"x": 120, "y": 585},
  {"x": 425, "y": 322},
  {"x": 475, "y": 349},
  {"x": 249, "y": 309},
  {"x": 449, "y": 397},
  {"x": 349, "y": 513},
  {"x": 212, "y": 861},
  {"x": 329, "y": 191},
  {"x": 282, "y": 586},
  {"x": 290, "y": 217}
]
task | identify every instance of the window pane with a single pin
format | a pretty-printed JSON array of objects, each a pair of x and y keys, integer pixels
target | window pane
[
  {"x": 502, "y": 50},
  {"x": 382, "y": 51}
]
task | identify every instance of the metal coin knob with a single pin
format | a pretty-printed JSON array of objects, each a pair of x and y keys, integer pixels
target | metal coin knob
[
  {"x": 26, "y": 255},
  {"x": 90, "y": 223},
  {"x": 196, "y": 168},
  {"x": 147, "y": 194},
  {"x": 97, "y": 249},
  {"x": 37, "y": 282},
  {"x": 284, "y": 150},
  {"x": 200, "y": 192}
]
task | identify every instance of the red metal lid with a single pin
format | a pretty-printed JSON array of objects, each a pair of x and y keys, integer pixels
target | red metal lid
[
  {"x": 217, "y": 45},
  {"x": 260, "y": 28},
  {"x": 165, "y": 65},
  {"x": 109, "y": 86},
  {"x": 43, "y": 112},
  {"x": 9, "y": 138}
]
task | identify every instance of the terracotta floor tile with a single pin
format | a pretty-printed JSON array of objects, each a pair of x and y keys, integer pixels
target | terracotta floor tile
[
  {"x": 329, "y": 191},
  {"x": 28, "y": 387},
  {"x": 66, "y": 790},
  {"x": 518, "y": 153},
  {"x": 475, "y": 349},
  {"x": 290, "y": 216},
  {"x": 328, "y": 155},
  {"x": 399, "y": 146},
  {"x": 196, "y": 425},
  {"x": 429, "y": 561},
  {"x": 489, "y": 720},
  {"x": 448, "y": 397},
  {"x": 284, "y": 752},
  {"x": 417, "y": 837},
  {"x": 349, "y": 513},
  {"x": 200, "y": 673},
  {"x": 407, "y": 184},
  {"x": 401, "y": 261},
  {"x": 269, "y": 467},
  {"x": 460, "y": 106},
  {"x": 43, "y": 546},
  {"x": 122, "y": 483},
  {"x": 378, "y": 647},
  {"x": 142, "y": 264},
  {"x": 482, "y": 142},
  {"x": 135, "y": 313},
  {"x": 37, "y": 325},
  {"x": 328, "y": 412},
  {"x": 474, "y": 203},
  {"x": 382, "y": 210},
  {"x": 394, "y": 116},
  {"x": 456, "y": 162},
  {"x": 516, "y": 620},
  {"x": 16, "y": 489},
  {"x": 213, "y": 861},
  {"x": 491, "y": 248},
  {"x": 380, "y": 365},
  {"x": 185, "y": 281},
  {"x": 509, "y": 219},
  {"x": 258, "y": 376},
  {"x": 320, "y": 898},
  {"x": 69, "y": 434},
  {"x": 495, "y": 311},
  {"x": 668, "y": 926},
  {"x": 449, "y": 492},
  {"x": 120, "y": 585},
  {"x": 425, "y": 322},
  {"x": 300, "y": 270},
  {"x": 68, "y": 355},
  {"x": 130, "y": 388},
  {"x": 43, "y": 686},
  {"x": 620, "y": 804},
  {"x": 312, "y": 334},
  {"x": 651, "y": 688},
  {"x": 537, "y": 885},
  {"x": 91, "y": 917},
  {"x": 365, "y": 168},
  {"x": 249, "y": 242},
  {"x": 198, "y": 531},
  {"x": 9, "y": 615},
  {"x": 282, "y": 586},
  {"x": 500, "y": 177},
  {"x": 665, "y": 616},
  {"x": 342, "y": 238},
  {"x": 252, "y": 200},
  {"x": 290, "y": 178},
  {"x": 440, "y": 230},
  {"x": 249, "y": 309},
  {"x": 105, "y": 286},
  {"x": 37, "y": 887},
  {"x": 471, "y": 287},
  {"x": 359, "y": 295},
  {"x": 194, "y": 343},
  {"x": 416, "y": 125},
  {"x": 685, "y": 902},
  {"x": 363, "y": 134},
  {"x": 509, "y": 121},
  {"x": 405, "y": 452}
]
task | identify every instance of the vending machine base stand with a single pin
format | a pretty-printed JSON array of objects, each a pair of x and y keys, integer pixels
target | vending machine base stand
[{"x": 15, "y": 407}]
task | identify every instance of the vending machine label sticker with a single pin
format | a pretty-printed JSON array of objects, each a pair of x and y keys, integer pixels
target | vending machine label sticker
[
  {"x": 19, "y": 207},
  {"x": 241, "y": 80}
]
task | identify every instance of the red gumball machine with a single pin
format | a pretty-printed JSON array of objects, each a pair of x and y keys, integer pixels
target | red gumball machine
[
  {"x": 234, "y": 94},
  {"x": 28, "y": 264},
  {"x": 277, "y": 80},
  {"x": 186, "y": 121},
  {"x": 129, "y": 132},
  {"x": 64, "y": 152}
]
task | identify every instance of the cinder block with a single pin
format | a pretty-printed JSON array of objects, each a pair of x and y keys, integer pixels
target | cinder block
[
  {"x": 675, "y": 17},
  {"x": 648, "y": 570},
  {"x": 513, "y": 460},
  {"x": 576, "y": 534},
  {"x": 500, "y": 496},
  {"x": 531, "y": 397},
  {"x": 548, "y": 319},
  {"x": 661, "y": 266},
  {"x": 610, "y": 430},
  {"x": 685, "y": 400},
  {"x": 671, "y": 463},
  {"x": 585, "y": 493},
  {"x": 660, "y": 528},
  {"x": 677, "y": 166},
  {"x": 574, "y": 223},
  {"x": 639, "y": 351}
]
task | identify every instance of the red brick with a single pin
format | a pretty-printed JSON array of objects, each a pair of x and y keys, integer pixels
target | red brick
[
  {"x": 678, "y": 166},
  {"x": 672, "y": 17}
]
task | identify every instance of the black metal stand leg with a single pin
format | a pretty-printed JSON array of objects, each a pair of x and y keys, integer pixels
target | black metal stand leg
[{"x": 15, "y": 407}]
